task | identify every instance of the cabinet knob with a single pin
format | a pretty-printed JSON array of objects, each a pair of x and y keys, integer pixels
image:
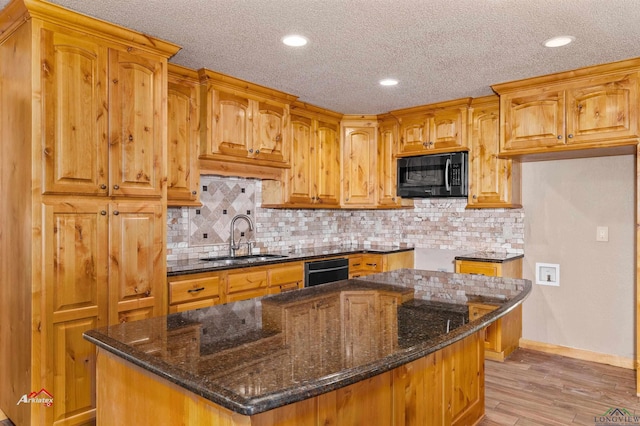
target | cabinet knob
[
  {"x": 194, "y": 192},
  {"x": 103, "y": 212},
  {"x": 116, "y": 187},
  {"x": 116, "y": 212},
  {"x": 103, "y": 186},
  {"x": 475, "y": 197},
  {"x": 559, "y": 137},
  {"x": 278, "y": 138},
  {"x": 251, "y": 151},
  {"x": 130, "y": 138},
  {"x": 570, "y": 135},
  {"x": 257, "y": 151}
]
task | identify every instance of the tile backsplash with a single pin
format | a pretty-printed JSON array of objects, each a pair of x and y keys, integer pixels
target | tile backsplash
[{"x": 432, "y": 223}]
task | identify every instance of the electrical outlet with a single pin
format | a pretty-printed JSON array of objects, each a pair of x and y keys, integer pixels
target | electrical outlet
[{"x": 602, "y": 233}]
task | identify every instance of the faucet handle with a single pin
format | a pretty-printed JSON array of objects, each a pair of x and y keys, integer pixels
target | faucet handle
[{"x": 250, "y": 245}]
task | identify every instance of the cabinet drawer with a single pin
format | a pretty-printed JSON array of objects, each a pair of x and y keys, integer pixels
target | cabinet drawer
[
  {"x": 247, "y": 280},
  {"x": 478, "y": 268},
  {"x": 197, "y": 304},
  {"x": 478, "y": 310},
  {"x": 248, "y": 294},
  {"x": 355, "y": 263},
  {"x": 190, "y": 290},
  {"x": 286, "y": 274},
  {"x": 372, "y": 263}
]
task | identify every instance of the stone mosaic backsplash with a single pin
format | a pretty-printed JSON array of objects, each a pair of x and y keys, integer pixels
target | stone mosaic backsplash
[{"x": 433, "y": 223}]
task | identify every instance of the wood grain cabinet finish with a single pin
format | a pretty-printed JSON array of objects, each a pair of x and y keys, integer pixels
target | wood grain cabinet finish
[
  {"x": 183, "y": 137},
  {"x": 243, "y": 123},
  {"x": 313, "y": 181},
  {"x": 433, "y": 128},
  {"x": 493, "y": 182},
  {"x": 193, "y": 292},
  {"x": 503, "y": 336},
  {"x": 387, "y": 174},
  {"x": 572, "y": 111},
  {"x": 359, "y": 164},
  {"x": 88, "y": 105}
]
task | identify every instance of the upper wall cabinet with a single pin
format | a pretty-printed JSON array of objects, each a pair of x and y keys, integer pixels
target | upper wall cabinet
[
  {"x": 387, "y": 164},
  {"x": 493, "y": 182},
  {"x": 359, "y": 163},
  {"x": 102, "y": 111},
  {"x": 243, "y": 123},
  {"x": 183, "y": 136},
  {"x": 313, "y": 181},
  {"x": 432, "y": 128},
  {"x": 593, "y": 107}
]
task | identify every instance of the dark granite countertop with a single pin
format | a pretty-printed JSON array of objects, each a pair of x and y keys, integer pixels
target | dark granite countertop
[
  {"x": 490, "y": 256},
  {"x": 194, "y": 266},
  {"x": 255, "y": 355}
]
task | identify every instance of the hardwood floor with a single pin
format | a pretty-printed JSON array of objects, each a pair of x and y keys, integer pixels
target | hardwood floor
[{"x": 534, "y": 388}]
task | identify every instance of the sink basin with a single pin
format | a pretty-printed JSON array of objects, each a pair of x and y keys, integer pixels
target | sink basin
[{"x": 228, "y": 260}]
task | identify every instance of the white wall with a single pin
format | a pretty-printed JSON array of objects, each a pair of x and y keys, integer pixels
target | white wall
[{"x": 564, "y": 201}]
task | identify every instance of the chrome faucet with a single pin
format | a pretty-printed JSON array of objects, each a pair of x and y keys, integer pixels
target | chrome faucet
[{"x": 232, "y": 240}]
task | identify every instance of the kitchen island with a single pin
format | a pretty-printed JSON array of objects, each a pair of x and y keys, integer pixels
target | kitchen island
[{"x": 391, "y": 348}]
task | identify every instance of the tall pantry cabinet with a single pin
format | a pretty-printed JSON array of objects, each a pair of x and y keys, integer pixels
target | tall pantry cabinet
[{"x": 82, "y": 199}]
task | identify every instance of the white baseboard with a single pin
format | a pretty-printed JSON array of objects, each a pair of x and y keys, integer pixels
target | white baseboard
[{"x": 581, "y": 354}]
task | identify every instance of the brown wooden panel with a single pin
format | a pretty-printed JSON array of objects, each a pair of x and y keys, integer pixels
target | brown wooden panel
[
  {"x": 190, "y": 290},
  {"x": 247, "y": 279},
  {"x": 327, "y": 169}
]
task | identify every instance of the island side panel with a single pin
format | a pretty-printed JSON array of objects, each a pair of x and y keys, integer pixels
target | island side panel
[{"x": 445, "y": 387}]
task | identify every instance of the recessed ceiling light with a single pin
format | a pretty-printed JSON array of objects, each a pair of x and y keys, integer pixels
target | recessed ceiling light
[
  {"x": 388, "y": 82},
  {"x": 295, "y": 40},
  {"x": 559, "y": 41}
]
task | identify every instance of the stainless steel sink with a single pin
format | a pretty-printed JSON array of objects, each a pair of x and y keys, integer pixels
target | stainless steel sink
[{"x": 228, "y": 260}]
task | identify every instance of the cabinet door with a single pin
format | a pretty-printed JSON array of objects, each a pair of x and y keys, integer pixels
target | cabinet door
[
  {"x": 490, "y": 178},
  {"x": 447, "y": 129},
  {"x": 327, "y": 160},
  {"x": 387, "y": 165},
  {"x": 75, "y": 299},
  {"x": 533, "y": 119},
  {"x": 230, "y": 124},
  {"x": 359, "y": 166},
  {"x": 301, "y": 176},
  {"x": 182, "y": 144},
  {"x": 603, "y": 110},
  {"x": 74, "y": 76},
  {"x": 414, "y": 132},
  {"x": 137, "y": 279},
  {"x": 270, "y": 125},
  {"x": 136, "y": 119},
  {"x": 247, "y": 284}
]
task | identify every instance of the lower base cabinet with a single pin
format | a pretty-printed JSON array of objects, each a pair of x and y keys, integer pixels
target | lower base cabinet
[{"x": 503, "y": 336}]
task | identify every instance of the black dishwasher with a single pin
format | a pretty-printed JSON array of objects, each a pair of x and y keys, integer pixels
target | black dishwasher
[{"x": 325, "y": 271}]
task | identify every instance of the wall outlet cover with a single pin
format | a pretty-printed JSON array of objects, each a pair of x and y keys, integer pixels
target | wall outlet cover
[{"x": 548, "y": 274}]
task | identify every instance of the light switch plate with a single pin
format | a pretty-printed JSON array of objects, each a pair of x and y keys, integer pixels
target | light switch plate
[
  {"x": 602, "y": 233},
  {"x": 548, "y": 274}
]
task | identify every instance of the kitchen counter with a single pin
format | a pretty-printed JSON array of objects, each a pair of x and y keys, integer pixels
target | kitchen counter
[
  {"x": 197, "y": 265},
  {"x": 490, "y": 256},
  {"x": 260, "y": 354}
]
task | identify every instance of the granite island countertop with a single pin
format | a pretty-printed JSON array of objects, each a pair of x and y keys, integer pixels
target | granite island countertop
[
  {"x": 490, "y": 256},
  {"x": 255, "y": 355},
  {"x": 193, "y": 266}
]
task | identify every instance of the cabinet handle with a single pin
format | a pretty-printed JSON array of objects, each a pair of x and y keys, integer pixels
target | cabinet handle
[
  {"x": 103, "y": 212},
  {"x": 570, "y": 135},
  {"x": 103, "y": 186},
  {"x": 130, "y": 138},
  {"x": 251, "y": 151},
  {"x": 475, "y": 196},
  {"x": 257, "y": 151},
  {"x": 372, "y": 264},
  {"x": 194, "y": 192},
  {"x": 559, "y": 137},
  {"x": 356, "y": 264},
  {"x": 278, "y": 138},
  {"x": 116, "y": 187},
  {"x": 116, "y": 212},
  {"x": 195, "y": 290}
]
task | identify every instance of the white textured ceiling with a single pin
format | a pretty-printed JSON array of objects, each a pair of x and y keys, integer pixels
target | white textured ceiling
[{"x": 438, "y": 49}]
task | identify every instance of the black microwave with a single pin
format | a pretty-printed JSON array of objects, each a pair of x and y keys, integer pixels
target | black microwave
[{"x": 435, "y": 175}]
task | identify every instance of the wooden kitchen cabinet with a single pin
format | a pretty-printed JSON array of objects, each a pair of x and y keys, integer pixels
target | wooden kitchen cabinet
[
  {"x": 246, "y": 283},
  {"x": 243, "y": 124},
  {"x": 569, "y": 111},
  {"x": 193, "y": 292},
  {"x": 493, "y": 182},
  {"x": 183, "y": 137},
  {"x": 287, "y": 277},
  {"x": 359, "y": 163},
  {"x": 502, "y": 336},
  {"x": 388, "y": 165},
  {"x": 361, "y": 265},
  {"x": 85, "y": 139},
  {"x": 313, "y": 181},
  {"x": 433, "y": 128}
]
